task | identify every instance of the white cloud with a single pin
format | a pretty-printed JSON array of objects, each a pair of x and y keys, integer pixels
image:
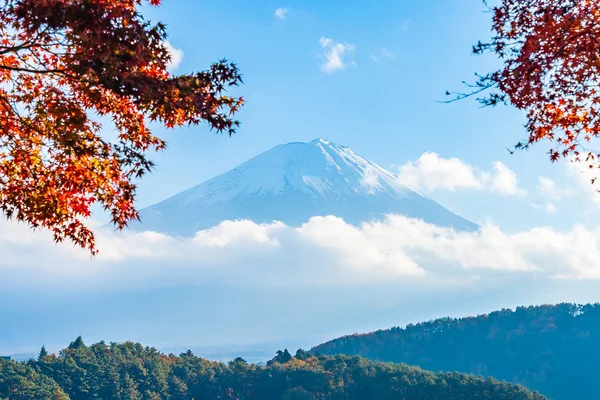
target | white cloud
[
  {"x": 583, "y": 176},
  {"x": 548, "y": 189},
  {"x": 505, "y": 181},
  {"x": 383, "y": 53},
  {"x": 176, "y": 56},
  {"x": 549, "y": 208},
  {"x": 370, "y": 179},
  {"x": 325, "y": 251},
  {"x": 281, "y": 13},
  {"x": 335, "y": 55},
  {"x": 432, "y": 172},
  {"x": 387, "y": 54}
]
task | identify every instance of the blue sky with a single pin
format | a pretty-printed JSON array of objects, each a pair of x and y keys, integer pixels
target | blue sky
[
  {"x": 241, "y": 283},
  {"x": 401, "y": 57}
]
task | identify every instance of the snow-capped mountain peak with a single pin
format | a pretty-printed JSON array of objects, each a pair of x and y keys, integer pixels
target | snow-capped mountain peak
[
  {"x": 320, "y": 168},
  {"x": 291, "y": 183}
]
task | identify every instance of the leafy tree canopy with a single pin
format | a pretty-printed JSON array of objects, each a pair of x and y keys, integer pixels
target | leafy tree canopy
[
  {"x": 550, "y": 51},
  {"x": 63, "y": 61},
  {"x": 132, "y": 371}
]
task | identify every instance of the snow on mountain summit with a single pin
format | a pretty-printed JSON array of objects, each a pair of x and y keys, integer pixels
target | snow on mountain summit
[
  {"x": 318, "y": 168},
  {"x": 292, "y": 183}
]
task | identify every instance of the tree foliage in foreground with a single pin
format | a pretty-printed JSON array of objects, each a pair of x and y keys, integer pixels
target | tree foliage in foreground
[
  {"x": 545, "y": 348},
  {"x": 550, "y": 53},
  {"x": 64, "y": 61},
  {"x": 133, "y": 372}
]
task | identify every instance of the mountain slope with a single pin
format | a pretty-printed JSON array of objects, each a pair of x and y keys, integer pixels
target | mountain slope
[
  {"x": 292, "y": 183},
  {"x": 132, "y": 371},
  {"x": 552, "y": 349}
]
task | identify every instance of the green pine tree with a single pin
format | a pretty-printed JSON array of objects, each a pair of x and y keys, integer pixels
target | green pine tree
[
  {"x": 43, "y": 353},
  {"x": 77, "y": 343}
]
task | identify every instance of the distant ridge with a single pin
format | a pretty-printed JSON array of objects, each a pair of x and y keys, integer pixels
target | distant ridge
[
  {"x": 292, "y": 183},
  {"x": 551, "y": 348}
]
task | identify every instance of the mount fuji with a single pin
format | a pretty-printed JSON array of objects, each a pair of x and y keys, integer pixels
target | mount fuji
[{"x": 292, "y": 183}]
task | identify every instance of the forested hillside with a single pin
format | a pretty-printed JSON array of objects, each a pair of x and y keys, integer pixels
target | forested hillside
[
  {"x": 131, "y": 371},
  {"x": 552, "y": 348}
]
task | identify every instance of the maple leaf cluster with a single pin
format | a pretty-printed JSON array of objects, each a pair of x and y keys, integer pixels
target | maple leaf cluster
[
  {"x": 550, "y": 51},
  {"x": 63, "y": 61}
]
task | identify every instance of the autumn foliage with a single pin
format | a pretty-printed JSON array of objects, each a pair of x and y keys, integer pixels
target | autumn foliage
[
  {"x": 63, "y": 63},
  {"x": 550, "y": 51}
]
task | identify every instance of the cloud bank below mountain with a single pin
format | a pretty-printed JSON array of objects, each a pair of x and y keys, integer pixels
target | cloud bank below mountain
[{"x": 325, "y": 251}]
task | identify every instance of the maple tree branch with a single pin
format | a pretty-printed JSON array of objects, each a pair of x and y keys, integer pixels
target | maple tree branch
[
  {"x": 32, "y": 70},
  {"x": 33, "y": 43},
  {"x": 461, "y": 96}
]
